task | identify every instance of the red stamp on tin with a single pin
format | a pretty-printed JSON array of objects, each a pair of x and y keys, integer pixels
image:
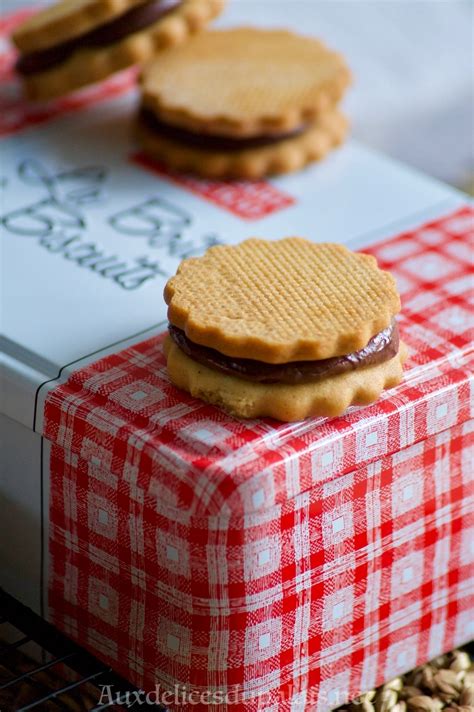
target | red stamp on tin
[{"x": 250, "y": 200}]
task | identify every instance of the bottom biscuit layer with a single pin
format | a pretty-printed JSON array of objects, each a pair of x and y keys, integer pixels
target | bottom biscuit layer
[
  {"x": 287, "y": 402},
  {"x": 252, "y": 163}
]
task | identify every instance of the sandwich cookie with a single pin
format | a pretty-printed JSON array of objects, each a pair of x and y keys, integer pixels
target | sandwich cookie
[
  {"x": 242, "y": 103},
  {"x": 78, "y": 42},
  {"x": 287, "y": 329}
]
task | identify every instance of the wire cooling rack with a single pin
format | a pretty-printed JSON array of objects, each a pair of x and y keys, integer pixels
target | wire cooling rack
[{"x": 42, "y": 670}]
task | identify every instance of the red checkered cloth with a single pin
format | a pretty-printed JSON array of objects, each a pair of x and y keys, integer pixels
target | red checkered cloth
[{"x": 289, "y": 566}]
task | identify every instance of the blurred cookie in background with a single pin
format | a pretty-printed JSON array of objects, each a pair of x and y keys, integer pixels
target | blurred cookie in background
[
  {"x": 243, "y": 103},
  {"x": 71, "y": 44}
]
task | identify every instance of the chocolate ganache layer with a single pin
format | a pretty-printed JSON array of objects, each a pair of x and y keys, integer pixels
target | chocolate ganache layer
[
  {"x": 212, "y": 142},
  {"x": 381, "y": 347},
  {"x": 134, "y": 20}
]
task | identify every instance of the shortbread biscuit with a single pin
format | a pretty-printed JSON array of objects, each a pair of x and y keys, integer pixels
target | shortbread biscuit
[
  {"x": 286, "y": 156},
  {"x": 88, "y": 64},
  {"x": 65, "y": 20},
  {"x": 244, "y": 399},
  {"x": 281, "y": 301},
  {"x": 244, "y": 82}
]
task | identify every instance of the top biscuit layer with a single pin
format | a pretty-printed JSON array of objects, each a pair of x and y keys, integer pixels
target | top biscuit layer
[
  {"x": 66, "y": 20},
  {"x": 244, "y": 82},
  {"x": 282, "y": 301}
]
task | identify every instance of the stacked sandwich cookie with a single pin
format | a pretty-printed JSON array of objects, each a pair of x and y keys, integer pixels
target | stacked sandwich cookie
[
  {"x": 77, "y": 42},
  {"x": 287, "y": 329},
  {"x": 242, "y": 103}
]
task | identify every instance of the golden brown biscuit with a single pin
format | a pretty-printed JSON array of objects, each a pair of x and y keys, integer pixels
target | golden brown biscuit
[
  {"x": 329, "y": 397},
  {"x": 281, "y": 301},
  {"x": 242, "y": 103},
  {"x": 66, "y": 19},
  {"x": 244, "y": 82},
  {"x": 66, "y": 24},
  {"x": 286, "y": 156}
]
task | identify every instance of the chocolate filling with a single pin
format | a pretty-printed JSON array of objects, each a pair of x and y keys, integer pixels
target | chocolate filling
[
  {"x": 381, "y": 347},
  {"x": 212, "y": 142},
  {"x": 131, "y": 21}
]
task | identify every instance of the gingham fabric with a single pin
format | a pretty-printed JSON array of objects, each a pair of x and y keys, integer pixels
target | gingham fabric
[{"x": 290, "y": 567}]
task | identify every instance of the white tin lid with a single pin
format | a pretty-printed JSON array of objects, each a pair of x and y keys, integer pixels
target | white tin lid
[{"x": 90, "y": 235}]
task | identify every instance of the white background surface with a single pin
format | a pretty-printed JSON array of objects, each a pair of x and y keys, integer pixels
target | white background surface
[{"x": 412, "y": 63}]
